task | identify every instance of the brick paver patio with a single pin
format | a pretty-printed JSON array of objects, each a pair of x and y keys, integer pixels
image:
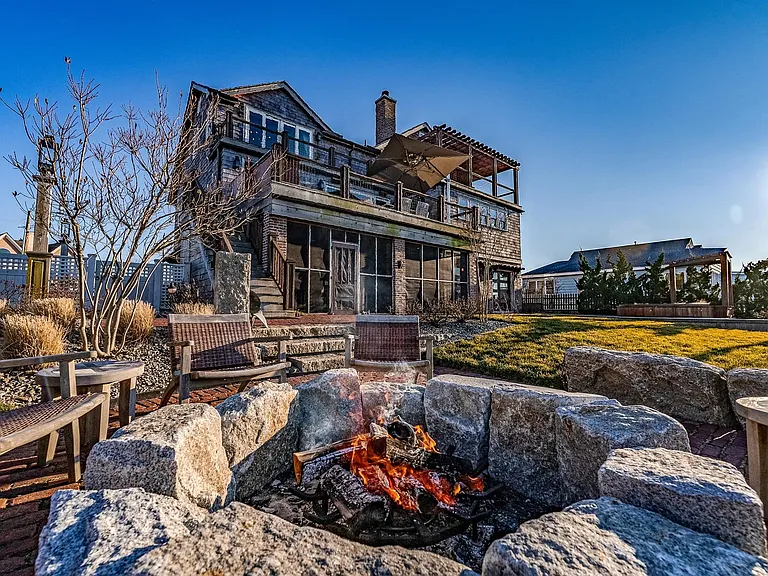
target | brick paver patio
[{"x": 25, "y": 490}]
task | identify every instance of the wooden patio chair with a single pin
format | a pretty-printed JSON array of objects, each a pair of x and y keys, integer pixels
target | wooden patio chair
[
  {"x": 30, "y": 423},
  {"x": 210, "y": 350},
  {"x": 385, "y": 342}
]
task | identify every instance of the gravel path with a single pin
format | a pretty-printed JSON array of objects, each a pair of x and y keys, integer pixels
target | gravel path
[
  {"x": 17, "y": 387},
  {"x": 452, "y": 331}
]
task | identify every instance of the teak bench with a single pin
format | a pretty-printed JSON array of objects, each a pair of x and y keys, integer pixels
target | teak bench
[
  {"x": 210, "y": 350},
  {"x": 31, "y": 423}
]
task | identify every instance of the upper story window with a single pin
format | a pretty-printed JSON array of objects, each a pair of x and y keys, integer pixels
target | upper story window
[{"x": 264, "y": 130}]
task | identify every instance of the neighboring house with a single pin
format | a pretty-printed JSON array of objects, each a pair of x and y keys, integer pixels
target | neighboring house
[
  {"x": 355, "y": 243},
  {"x": 561, "y": 277},
  {"x": 8, "y": 245}
]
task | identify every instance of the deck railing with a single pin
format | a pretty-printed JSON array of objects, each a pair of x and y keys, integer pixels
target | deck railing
[
  {"x": 283, "y": 272},
  {"x": 335, "y": 172}
]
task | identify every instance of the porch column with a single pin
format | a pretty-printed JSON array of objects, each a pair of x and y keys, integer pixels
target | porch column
[
  {"x": 672, "y": 285},
  {"x": 515, "y": 186}
]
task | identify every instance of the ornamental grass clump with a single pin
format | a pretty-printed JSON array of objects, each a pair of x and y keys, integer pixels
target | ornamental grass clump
[
  {"x": 137, "y": 320},
  {"x": 194, "y": 308},
  {"x": 27, "y": 335},
  {"x": 63, "y": 311}
]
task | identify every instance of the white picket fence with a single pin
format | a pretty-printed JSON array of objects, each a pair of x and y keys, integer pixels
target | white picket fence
[{"x": 153, "y": 284}]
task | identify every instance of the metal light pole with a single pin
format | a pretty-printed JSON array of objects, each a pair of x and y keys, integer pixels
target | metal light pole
[{"x": 39, "y": 258}]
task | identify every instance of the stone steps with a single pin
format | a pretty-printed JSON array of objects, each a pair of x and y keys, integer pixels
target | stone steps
[
  {"x": 305, "y": 346},
  {"x": 317, "y": 362},
  {"x": 306, "y": 331}
]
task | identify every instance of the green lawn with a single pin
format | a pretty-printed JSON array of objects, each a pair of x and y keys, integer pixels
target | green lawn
[{"x": 531, "y": 349}]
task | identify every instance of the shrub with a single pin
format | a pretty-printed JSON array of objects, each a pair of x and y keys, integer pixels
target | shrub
[
  {"x": 196, "y": 308},
  {"x": 751, "y": 292},
  {"x": 63, "y": 311},
  {"x": 27, "y": 335},
  {"x": 434, "y": 313},
  {"x": 465, "y": 309},
  {"x": 137, "y": 320}
]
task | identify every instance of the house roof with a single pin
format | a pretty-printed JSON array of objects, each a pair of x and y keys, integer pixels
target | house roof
[
  {"x": 268, "y": 86},
  {"x": 637, "y": 255},
  {"x": 11, "y": 241}
]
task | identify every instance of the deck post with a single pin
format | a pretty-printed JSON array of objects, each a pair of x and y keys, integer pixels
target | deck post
[
  {"x": 672, "y": 285},
  {"x": 724, "y": 283},
  {"x": 345, "y": 181},
  {"x": 399, "y": 196},
  {"x": 495, "y": 178},
  {"x": 515, "y": 185}
]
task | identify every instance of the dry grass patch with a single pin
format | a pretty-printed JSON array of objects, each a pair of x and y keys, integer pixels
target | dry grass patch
[
  {"x": 531, "y": 349},
  {"x": 138, "y": 318},
  {"x": 63, "y": 311},
  {"x": 194, "y": 308},
  {"x": 27, "y": 335}
]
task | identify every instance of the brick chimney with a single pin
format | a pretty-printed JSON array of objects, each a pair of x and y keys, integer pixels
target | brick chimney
[{"x": 386, "y": 125}]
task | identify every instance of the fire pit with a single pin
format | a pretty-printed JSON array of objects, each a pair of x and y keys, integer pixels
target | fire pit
[{"x": 348, "y": 478}]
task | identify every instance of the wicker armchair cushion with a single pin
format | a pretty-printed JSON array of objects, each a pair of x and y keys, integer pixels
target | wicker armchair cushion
[
  {"x": 220, "y": 340},
  {"x": 387, "y": 338}
]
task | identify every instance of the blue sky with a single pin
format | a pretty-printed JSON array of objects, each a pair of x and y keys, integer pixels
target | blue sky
[{"x": 633, "y": 121}]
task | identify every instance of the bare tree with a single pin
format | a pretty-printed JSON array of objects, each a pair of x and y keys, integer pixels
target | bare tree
[{"x": 131, "y": 189}]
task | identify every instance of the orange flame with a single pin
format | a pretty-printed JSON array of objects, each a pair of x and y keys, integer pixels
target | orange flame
[{"x": 402, "y": 482}]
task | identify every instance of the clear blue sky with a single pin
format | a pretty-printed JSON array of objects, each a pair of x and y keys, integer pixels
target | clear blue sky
[{"x": 633, "y": 121}]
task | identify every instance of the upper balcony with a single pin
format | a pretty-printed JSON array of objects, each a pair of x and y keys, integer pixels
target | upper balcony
[{"x": 289, "y": 159}]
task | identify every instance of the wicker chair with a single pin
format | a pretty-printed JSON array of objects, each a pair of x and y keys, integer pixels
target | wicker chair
[
  {"x": 30, "y": 423},
  {"x": 386, "y": 342},
  {"x": 210, "y": 350}
]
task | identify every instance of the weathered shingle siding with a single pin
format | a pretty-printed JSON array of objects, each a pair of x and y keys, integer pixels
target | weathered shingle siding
[
  {"x": 504, "y": 245},
  {"x": 280, "y": 103}
]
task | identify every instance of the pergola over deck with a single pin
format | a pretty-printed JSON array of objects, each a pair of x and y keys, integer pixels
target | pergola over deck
[
  {"x": 484, "y": 163},
  {"x": 723, "y": 259}
]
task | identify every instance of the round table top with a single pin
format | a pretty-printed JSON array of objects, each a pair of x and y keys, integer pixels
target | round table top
[
  {"x": 753, "y": 408},
  {"x": 95, "y": 372}
]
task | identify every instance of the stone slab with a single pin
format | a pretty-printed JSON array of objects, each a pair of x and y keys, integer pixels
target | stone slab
[
  {"x": 585, "y": 436},
  {"x": 746, "y": 383},
  {"x": 317, "y": 362},
  {"x": 385, "y": 401},
  {"x": 240, "y": 540},
  {"x": 331, "y": 408},
  {"x": 523, "y": 452},
  {"x": 680, "y": 387},
  {"x": 232, "y": 283},
  {"x": 176, "y": 451},
  {"x": 457, "y": 410},
  {"x": 701, "y": 493},
  {"x": 105, "y": 531},
  {"x": 260, "y": 432},
  {"x": 606, "y": 537}
]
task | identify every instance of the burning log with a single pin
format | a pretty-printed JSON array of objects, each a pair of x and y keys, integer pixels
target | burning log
[{"x": 359, "y": 508}]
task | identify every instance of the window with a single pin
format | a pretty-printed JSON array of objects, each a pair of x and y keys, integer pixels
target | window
[
  {"x": 435, "y": 273},
  {"x": 264, "y": 131},
  {"x": 309, "y": 246}
]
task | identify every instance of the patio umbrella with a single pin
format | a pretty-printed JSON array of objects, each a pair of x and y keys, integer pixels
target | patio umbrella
[{"x": 418, "y": 165}]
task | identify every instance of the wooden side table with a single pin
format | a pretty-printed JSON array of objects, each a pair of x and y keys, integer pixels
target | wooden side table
[
  {"x": 97, "y": 376},
  {"x": 755, "y": 410}
]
